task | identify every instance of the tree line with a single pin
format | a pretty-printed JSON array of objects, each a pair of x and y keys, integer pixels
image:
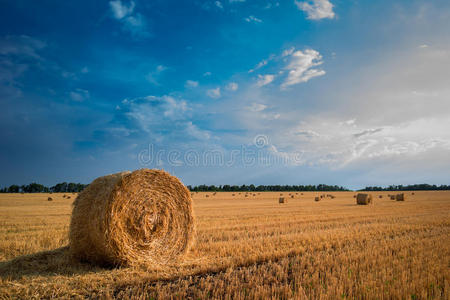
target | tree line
[
  {"x": 71, "y": 187},
  {"x": 412, "y": 187},
  {"x": 63, "y": 187},
  {"x": 266, "y": 188}
]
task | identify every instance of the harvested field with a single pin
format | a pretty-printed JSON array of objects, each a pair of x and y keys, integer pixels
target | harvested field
[{"x": 246, "y": 248}]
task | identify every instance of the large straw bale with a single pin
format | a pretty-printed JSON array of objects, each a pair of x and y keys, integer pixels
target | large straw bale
[
  {"x": 363, "y": 199},
  {"x": 143, "y": 217},
  {"x": 400, "y": 197}
]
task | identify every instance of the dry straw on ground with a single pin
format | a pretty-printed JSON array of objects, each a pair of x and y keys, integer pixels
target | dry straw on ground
[
  {"x": 363, "y": 199},
  {"x": 143, "y": 217}
]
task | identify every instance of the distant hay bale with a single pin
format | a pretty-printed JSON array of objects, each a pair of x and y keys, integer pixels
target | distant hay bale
[
  {"x": 232, "y": 195},
  {"x": 392, "y": 197},
  {"x": 354, "y": 196},
  {"x": 381, "y": 196},
  {"x": 317, "y": 199},
  {"x": 282, "y": 200},
  {"x": 400, "y": 197},
  {"x": 207, "y": 196},
  {"x": 143, "y": 217},
  {"x": 49, "y": 199},
  {"x": 68, "y": 197},
  {"x": 292, "y": 196},
  {"x": 412, "y": 193},
  {"x": 64, "y": 196},
  {"x": 363, "y": 199}
]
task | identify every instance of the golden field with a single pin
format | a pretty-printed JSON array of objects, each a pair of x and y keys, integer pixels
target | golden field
[{"x": 246, "y": 247}]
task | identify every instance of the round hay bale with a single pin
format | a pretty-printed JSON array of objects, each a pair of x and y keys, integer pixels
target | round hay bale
[
  {"x": 49, "y": 199},
  {"x": 412, "y": 193},
  {"x": 282, "y": 200},
  {"x": 292, "y": 196},
  {"x": 143, "y": 217},
  {"x": 317, "y": 199},
  {"x": 363, "y": 199},
  {"x": 381, "y": 196},
  {"x": 207, "y": 196},
  {"x": 400, "y": 197},
  {"x": 392, "y": 197}
]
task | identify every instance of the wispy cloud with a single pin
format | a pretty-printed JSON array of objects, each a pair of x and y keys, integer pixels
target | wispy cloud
[
  {"x": 219, "y": 4},
  {"x": 232, "y": 86},
  {"x": 214, "y": 93},
  {"x": 262, "y": 63},
  {"x": 121, "y": 10},
  {"x": 153, "y": 76},
  {"x": 301, "y": 67},
  {"x": 264, "y": 79},
  {"x": 317, "y": 9},
  {"x": 252, "y": 19},
  {"x": 79, "y": 95},
  {"x": 256, "y": 107},
  {"x": 132, "y": 22},
  {"x": 191, "y": 84}
]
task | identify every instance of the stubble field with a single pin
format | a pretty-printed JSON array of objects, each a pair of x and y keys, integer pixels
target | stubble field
[{"x": 246, "y": 247}]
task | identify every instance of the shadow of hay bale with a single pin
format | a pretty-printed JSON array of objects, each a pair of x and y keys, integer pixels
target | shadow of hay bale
[{"x": 47, "y": 263}]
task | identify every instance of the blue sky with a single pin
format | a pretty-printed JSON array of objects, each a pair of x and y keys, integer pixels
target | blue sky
[{"x": 353, "y": 93}]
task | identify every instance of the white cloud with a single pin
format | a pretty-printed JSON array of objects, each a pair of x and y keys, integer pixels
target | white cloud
[
  {"x": 234, "y": 1},
  {"x": 21, "y": 45},
  {"x": 84, "y": 70},
  {"x": 207, "y": 74},
  {"x": 197, "y": 133},
  {"x": 232, "y": 86},
  {"x": 367, "y": 132},
  {"x": 264, "y": 79},
  {"x": 316, "y": 9},
  {"x": 288, "y": 52},
  {"x": 257, "y": 107},
  {"x": 262, "y": 63},
  {"x": 79, "y": 95},
  {"x": 191, "y": 84},
  {"x": 219, "y": 4},
  {"x": 121, "y": 10},
  {"x": 301, "y": 66},
  {"x": 132, "y": 22},
  {"x": 252, "y": 19},
  {"x": 214, "y": 93},
  {"x": 153, "y": 76}
]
